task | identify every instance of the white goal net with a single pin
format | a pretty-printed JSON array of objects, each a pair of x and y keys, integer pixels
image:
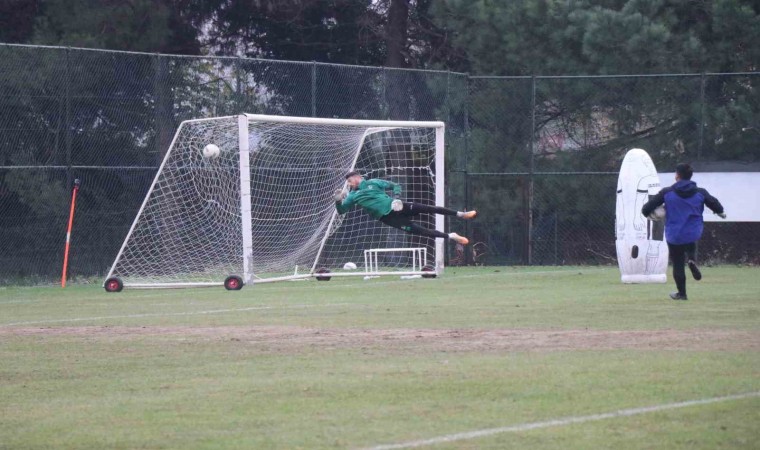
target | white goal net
[{"x": 262, "y": 208}]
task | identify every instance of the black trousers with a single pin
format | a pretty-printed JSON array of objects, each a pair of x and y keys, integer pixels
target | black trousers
[
  {"x": 680, "y": 254},
  {"x": 403, "y": 219}
]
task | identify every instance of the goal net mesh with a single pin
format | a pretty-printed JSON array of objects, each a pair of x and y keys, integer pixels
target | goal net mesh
[{"x": 191, "y": 226}]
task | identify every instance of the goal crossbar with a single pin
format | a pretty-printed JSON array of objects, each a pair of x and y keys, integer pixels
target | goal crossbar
[{"x": 351, "y": 122}]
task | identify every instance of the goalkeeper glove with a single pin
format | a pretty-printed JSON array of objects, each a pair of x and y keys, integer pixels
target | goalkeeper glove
[
  {"x": 721, "y": 215},
  {"x": 397, "y": 205},
  {"x": 339, "y": 195}
]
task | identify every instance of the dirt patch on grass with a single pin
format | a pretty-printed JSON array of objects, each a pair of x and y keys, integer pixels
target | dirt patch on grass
[{"x": 291, "y": 338}]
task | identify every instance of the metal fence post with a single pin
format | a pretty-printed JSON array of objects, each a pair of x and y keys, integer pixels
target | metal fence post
[
  {"x": 68, "y": 117},
  {"x": 467, "y": 227},
  {"x": 556, "y": 236},
  {"x": 163, "y": 111},
  {"x": 703, "y": 80},
  {"x": 157, "y": 104},
  {"x": 239, "y": 85},
  {"x": 447, "y": 105},
  {"x": 313, "y": 89},
  {"x": 529, "y": 194},
  {"x": 386, "y": 106}
]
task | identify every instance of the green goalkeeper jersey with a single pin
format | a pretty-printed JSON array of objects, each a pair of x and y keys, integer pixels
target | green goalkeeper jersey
[{"x": 371, "y": 196}]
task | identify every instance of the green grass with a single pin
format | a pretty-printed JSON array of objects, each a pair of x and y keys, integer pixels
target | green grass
[{"x": 195, "y": 369}]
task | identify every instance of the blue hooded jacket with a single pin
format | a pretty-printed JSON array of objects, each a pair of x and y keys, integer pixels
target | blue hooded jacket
[{"x": 684, "y": 205}]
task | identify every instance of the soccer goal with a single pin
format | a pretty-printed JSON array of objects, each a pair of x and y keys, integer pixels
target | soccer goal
[{"x": 249, "y": 198}]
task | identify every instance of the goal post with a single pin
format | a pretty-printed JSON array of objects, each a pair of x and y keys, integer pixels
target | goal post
[{"x": 260, "y": 207}]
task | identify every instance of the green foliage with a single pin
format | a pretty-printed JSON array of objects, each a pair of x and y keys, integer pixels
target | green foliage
[
  {"x": 139, "y": 25},
  {"x": 558, "y": 37},
  {"x": 17, "y": 20},
  {"x": 588, "y": 124}
]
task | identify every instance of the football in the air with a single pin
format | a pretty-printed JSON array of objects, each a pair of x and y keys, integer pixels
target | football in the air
[
  {"x": 349, "y": 266},
  {"x": 658, "y": 214},
  {"x": 210, "y": 151}
]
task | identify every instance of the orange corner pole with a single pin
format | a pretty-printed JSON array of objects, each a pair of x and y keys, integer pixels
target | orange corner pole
[{"x": 68, "y": 232}]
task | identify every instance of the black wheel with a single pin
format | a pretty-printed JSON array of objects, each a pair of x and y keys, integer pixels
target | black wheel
[
  {"x": 233, "y": 283},
  {"x": 429, "y": 272},
  {"x": 113, "y": 284},
  {"x": 322, "y": 277}
]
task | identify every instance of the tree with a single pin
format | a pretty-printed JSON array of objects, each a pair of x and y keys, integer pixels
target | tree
[
  {"x": 583, "y": 37},
  {"x": 17, "y": 20},
  {"x": 70, "y": 107},
  {"x": 338, "y": 31},
  {"x": 588, "y": 124},
  {"x": 138, "y": 25}
]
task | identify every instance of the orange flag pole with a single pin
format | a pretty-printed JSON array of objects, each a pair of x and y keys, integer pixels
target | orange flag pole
[{"x": 68, "y": 232}]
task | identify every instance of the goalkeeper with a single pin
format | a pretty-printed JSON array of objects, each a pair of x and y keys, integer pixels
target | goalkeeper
[{"x": 371, "y": 196}]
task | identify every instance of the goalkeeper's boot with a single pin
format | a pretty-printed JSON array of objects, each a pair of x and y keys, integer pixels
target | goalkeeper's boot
[
  {"x": 459, "y": 239},
  {"x": 694, "y": 270},
  {"x": 678, "y": 296},
  {"x": 469, "y": 214}
]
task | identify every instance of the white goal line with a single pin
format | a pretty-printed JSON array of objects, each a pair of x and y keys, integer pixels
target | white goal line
[{"x": 562, "y": 422}]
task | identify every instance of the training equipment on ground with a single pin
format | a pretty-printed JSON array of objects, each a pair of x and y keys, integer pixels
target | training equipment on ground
[
  {"x": 265, "y": 208},
  {"x": 74, "y": 191},
  {"x": 642, "y": 252},
  {"x": 372, "y": 259},
  {"x": 349, "y": 266},
  {"x": 211, "y": 151}
]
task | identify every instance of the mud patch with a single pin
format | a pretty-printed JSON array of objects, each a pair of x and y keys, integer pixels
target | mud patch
[{"x": 292, "y": 338}]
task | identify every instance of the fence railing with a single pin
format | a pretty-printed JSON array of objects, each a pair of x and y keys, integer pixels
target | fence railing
[{"x": 538, "y": 156}]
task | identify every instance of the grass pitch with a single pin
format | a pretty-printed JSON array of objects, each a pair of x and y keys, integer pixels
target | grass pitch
[{"x": 362, "y": 364}]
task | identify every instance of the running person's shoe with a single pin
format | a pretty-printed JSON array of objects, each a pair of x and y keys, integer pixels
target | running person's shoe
[
  {"x": 694, "y": 270},
  {"x": 678, "y": 296}
]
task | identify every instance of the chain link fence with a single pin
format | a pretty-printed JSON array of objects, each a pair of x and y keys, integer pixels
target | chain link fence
[{"x": 537, "y": 156}]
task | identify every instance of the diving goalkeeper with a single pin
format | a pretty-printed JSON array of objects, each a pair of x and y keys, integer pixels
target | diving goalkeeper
[{"x": 371, "y": 196}]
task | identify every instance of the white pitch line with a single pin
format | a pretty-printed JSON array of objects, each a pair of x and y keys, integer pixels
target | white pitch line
[
  {"x": 454, "y": 277},
  {"x": 187, "y": 313},
  {"x": 561, "y": 422}
]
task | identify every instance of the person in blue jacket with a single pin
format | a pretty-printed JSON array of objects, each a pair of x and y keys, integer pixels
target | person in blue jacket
[{"x": 684, "y": 205}]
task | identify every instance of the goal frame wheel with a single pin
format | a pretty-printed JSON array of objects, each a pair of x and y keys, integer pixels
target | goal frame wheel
[
  {"x": 323, "y": 270},
  {"x": 233, "y": 283},
  {"x": 113, "y": 284}
]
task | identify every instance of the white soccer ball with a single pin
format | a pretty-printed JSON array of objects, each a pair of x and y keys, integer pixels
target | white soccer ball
[
  {"x": 349, "y": 266},
  {"x": 210, "y": 151},
  {"x": 658, "y": 214}
]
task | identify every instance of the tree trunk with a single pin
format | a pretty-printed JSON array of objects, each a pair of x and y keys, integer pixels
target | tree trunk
[
  {"x": 395, "y": 39},
  {"x": 395, "y": 34}
]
